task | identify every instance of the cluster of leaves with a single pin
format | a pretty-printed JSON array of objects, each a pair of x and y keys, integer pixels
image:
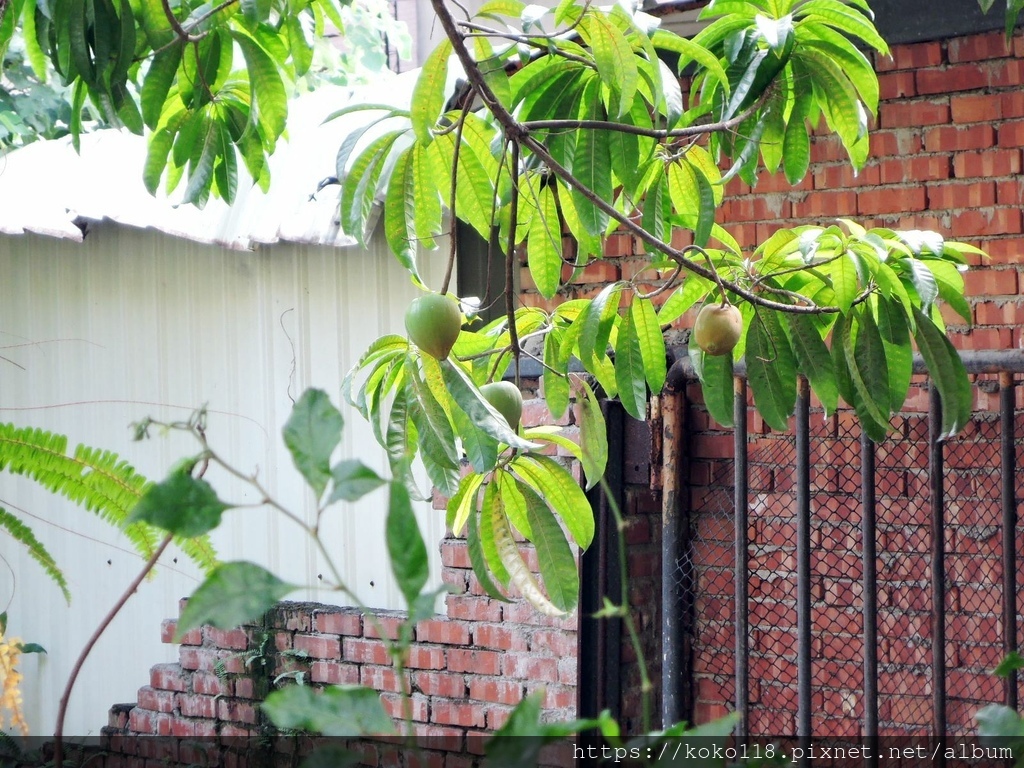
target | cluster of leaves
[
  {"x": 99, "y": 481},
  {"x": 209, "y": 81},
  {"x": 419, "y": 405},
  {"x": 585, "y": 129}
]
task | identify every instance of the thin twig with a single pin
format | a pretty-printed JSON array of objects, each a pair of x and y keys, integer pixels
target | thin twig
[
  {"x": 510, "y": 257},
  {"x": 453, "y": 240},
  {"x": 639, "y": 130},
  {"x": 179, "y": 30},
  {"x": 58, "y": 733}
]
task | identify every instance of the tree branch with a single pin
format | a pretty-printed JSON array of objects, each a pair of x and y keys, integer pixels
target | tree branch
[{"x": 179, "y": 30}]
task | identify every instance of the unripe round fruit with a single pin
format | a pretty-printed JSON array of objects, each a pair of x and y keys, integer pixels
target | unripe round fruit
[
  {"x": 433, "y": 323},
  {"x": 718, "y": 328},
  {"x": 506, "y": 399}
]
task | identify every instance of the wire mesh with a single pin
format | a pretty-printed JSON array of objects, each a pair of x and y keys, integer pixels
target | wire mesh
[{"x": 973, "y": 576}]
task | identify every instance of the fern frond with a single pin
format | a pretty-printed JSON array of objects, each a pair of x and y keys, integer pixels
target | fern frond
[
  {"x": 100, "y": 481},
  {"x": 23, "y": 534}
]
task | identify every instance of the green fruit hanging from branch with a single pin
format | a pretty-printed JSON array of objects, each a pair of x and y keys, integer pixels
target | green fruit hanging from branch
[
  {"x": 506, "y": 399},
  {"x": 433, "y": 323},
  {"x": 718, "y": 328}
]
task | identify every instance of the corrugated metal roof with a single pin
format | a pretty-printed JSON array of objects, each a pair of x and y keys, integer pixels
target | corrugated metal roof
[{"x": 46, "y": 188}]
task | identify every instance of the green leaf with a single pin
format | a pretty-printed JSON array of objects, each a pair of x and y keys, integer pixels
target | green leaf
[
  {"x": 596, "y": 323},
  {"x": 771, "y": 370},
  {"x": 256, "y": 11},
  {"x": 270, "y": 101},
  {"x": 493, "y": 508},
  {"x": 592, "y": 166},
  {"x": 796, "y": 146},
  {"x": 557, "y": 564},
  {"x": 545, "y": 243},
  {"x": 31, "y": 648},
  {"x": 691, "y": 51},
  {"x": 406, "y": 549},
  {"x": 428, "y": 93},
  {"x": 232, "y": 595},
  {"x": 593, "y": 435},
  {"x": 157, "y": 84},
  {"x": 475, "y": 549},
  {"x": 183, "y": 505},
  {"x": 693, "y": 289},
  {"x": 340, "y": 710},
  {"x": 629, "y": 370},
  {"x": 717, "y": 385},
  {"x": 519, "y": 573},
  {"x": 947, "y": 372},
  {"x": 652, "y": 342},
  {"x": 872, "y": 369},
  {"x": 814, "y": 360},
  {"x": 353, "y": 480},
  {"x": 844, "y": 18},
  {"x": 479, "y": 411},
  {"x": 844, "y": 281},
  {"x": 481, "y": 449},
  {"x": 36, "y": 550},
  {"x": 463, "y": 502},
  {"x": 553, "y": 481},
  {"x": 1010, "y": 663},
  {"x": 1001, "y": 722},
  {"x": 892, "y": 326},
  {"x": 312, "y": 432},
  {"x": 614, "y": 57},
  {"x": 556, "y": 382}
]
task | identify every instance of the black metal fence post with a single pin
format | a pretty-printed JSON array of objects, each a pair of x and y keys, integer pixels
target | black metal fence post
[
  {"x": 803, "y": 564},
  {"x": 938, "y": 535},
  {"x": 742, "y": 589},
  {"x": 1008, "y": 460},
  {"x": 869, "y": 595}
]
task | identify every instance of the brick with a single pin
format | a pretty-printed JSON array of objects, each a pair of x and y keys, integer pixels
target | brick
[
  {"x": 957, "y": 139},
  {"x": 383, "y": 626},
  {"x": 599, "y": 271},
  {"x": 818, "y": 205},
  {"x": 536, "y": 414},
  {"x": 194, "y": 705},
  {"x": 476, "y": 662},
  {"x": 962, "y": 77},
  {"x": 532, "y": 668},
  {"x": 906, "y": 114},
  {"x": 440, "y": 684},
  {"x": 991, "y": 164},
  {"x": 365, "y": 651},
  {"x": 156, "y": 700},
  {"x": 495, "y": 690},
  {"x": 554, "y": 642},
  {"x": 499, "y": 637},
  {"x": 426, "y": 658},
  {"x": 961, "y": 195},
  {"x": 340, "y": 623},
  {"x": 381, "y": 679},
  {"x": 442, "y": 631},
  {"x": 460, "y": 713},
  {"x": 995, "y": 221},
  {"x": 896, "y": 85},
  {"x": 169, "y": 627},
  {"x": 454, "y": 554},
  {"x": 1002, "y": 313},
  {"x": 910, "y": 169},
  {"x": 209, "y": 660},
  {"x": 899, "y": 143},
  {"x": 890, "y": 200},
  {"x": 236, "y": 711},
  {"x": 318, "y": 646},
  {"x": 1010, "y": 192},
  {"x": 991, "y": 282},
  {"x": 975, "y": 108},
  {"x": 844, "y": 175},
  {"x": 991, "y": 45},
  {"x": 912, "y": 56},
  {"x": 1008, "y": 73},
  {"x": 209, "y": 684},
  {"x": 1011, "y": 103},
  {"x": 394, "y": 705},
  {"x": 168, "y": 677},
  {"x": 230, "y": 639},
  {"x": 1011, "y": 134},
  {"x": 333, "y": 672},
  {"x": 472, "y": 608}
]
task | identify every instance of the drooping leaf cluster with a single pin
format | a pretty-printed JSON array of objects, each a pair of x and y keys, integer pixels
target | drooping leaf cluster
[{"x": 209, "y": 82}]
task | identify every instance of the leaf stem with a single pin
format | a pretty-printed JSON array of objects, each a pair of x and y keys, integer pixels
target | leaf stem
[
  {"x": 58, "y": 731},
  {"x": 453, "y": 240}
]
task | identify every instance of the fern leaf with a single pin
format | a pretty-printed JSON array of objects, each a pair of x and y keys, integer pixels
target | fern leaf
[
  {"x": 100, "y": 481},
  {"x": 23, "y": 534}
]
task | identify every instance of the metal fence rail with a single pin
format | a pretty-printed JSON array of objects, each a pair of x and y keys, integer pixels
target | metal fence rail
[{"x": 822, "y": 585}]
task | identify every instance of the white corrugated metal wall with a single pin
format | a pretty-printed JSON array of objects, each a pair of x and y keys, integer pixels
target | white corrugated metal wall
[{"x": 134, "y": 323}]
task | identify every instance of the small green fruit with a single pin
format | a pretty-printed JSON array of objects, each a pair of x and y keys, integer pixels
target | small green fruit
[
  {"x": 506, "y": 399},
  {"x": 718, "y": 328},
  {"x": 433, "y": 322}
]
